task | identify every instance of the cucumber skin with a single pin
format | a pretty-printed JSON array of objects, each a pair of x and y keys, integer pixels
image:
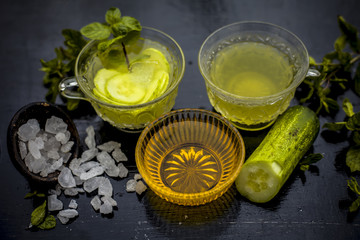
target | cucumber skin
[{"x": 288, "y": 140}]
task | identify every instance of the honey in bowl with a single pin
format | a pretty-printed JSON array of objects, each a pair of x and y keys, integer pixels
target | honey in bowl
[{"x": 190, "y": 156}]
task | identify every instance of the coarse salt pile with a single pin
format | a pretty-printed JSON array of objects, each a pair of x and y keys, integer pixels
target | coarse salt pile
[
  {"x": 45, "y": 151},
  {"x": 89, "y": 173}
]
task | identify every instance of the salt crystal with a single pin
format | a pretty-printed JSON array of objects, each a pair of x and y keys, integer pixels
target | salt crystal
[
  {"x": 131, "y": 185},
  {"x": 137, "y": 176},
  {"x": 23, "y": 149},
  {"x": 34, "y": 149},
  {"x": 54, "y": 125},
  {"x": 92, "y": 184},
  {"x": 109, "y": 146},
  {"x": 119, "y": 156},
  {"x": 71, "y": 192},
  {"x": 67, "y": 147},
  {"x": 110, "y": 200},
  {"x": 68, "y": 213},
  {"x": 53, "y": 154},
  {"x": 52, "y": 144},
  {"x": 43, "y": 135},
  {"x": 66, "y": 156},
  {"x": 96, "y": 203},
  {"x": 28, "y": 161},
  {"x": 105, "y": 160},
  {"x": 73, "y": 204},
  {"x": 63, "y": 137},
  {"x": 54, "y": 204},
  {"x": 63, "y": 220},
  {"x": 140, "y": 187},
  {"x": 28, "y": 130},
  {"x": 123, "y": 171},
  {"x": 114, "y": 171},
  {"x": 75, "y": 166},
  {"x": 106, "y": 207},
  {"x": 90, "y": 138},
  {"x": 37, "y": 165},
  {"x": 78, "y": 181},
  {"x": 96, "y": 171},
  {"x": 88, "y": 165},
  {"x": 105, "y": 187},
  {"x": 66, "y": 178},
  {"x": 89, "y": 154}
]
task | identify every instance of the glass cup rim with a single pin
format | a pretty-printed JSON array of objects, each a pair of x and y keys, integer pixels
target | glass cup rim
[
  {"x": 158, "y": 99},
  {"x": 295, "y": 83}
]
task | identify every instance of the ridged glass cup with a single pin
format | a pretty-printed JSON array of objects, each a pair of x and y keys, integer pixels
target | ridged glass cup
[
  {"x": 253, "y": 113},
  {"x": 190, "y": 156},
  {"x": 132, "y": 118}
]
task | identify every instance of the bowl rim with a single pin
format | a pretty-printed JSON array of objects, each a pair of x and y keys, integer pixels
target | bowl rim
[
  {"x": 158, "y": 99},
  {"x": 235, "y": 97},
  {"x": 13, "y": 148},
  {"x": 177, "y": 197}
]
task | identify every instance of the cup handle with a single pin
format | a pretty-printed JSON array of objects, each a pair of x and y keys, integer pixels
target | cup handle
[
  {"x": 68, "y": 88},
  {"x": 312, "y": 73}
]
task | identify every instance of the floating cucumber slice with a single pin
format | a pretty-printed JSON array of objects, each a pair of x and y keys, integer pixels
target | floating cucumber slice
[
  {"x": 122, "y": 89},
  {"x": 158, "y": 57},
  {"x": 101, "y": 77}
]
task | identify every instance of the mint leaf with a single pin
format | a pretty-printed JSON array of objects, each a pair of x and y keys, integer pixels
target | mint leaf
[
  {"x": 356, "y": 137},
  {"x": 350, "y": 33},
  {"x": 340, "y": 43},
  {"x": 354, "y": 186},
  {"x": 357, "y": 80},
  {"x": 353, "y": 123},
  {"x": 119, "y": 30},
  {"x": 38, "y": 215},
  {"x": 348, "y": 107},
  {"x": 48, "y": 223},
  {"x": 355, "y": 205},
  {"x": 312, "y": 61},
  {"x": 312, "y": 158},
  {"x": 131, "y": 23},
  {"x": 337, "y": 126},
  {"x": 96, "y": 31},
  {"x": 113, "y": 15},
  {"x": 353, "y": 158}
]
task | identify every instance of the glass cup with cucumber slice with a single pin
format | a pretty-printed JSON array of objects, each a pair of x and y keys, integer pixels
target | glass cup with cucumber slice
[{"x": 129, "y": 94}]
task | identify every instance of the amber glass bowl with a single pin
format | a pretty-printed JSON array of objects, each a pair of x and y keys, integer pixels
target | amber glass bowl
[{"x": 190, "y": 156}]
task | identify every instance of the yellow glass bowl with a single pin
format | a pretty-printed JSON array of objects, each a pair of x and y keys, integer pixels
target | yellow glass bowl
[{"x": 190, "y": 156}]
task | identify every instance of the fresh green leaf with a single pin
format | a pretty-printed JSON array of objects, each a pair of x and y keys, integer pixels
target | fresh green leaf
[
  {"x": 131, "y": 23},
  {"x": 351, "y": 34},
  {"x": 348, "y": 107},
  {"x": 355, "y": 205},
  {"x": 96, "y": 31},
  {"x": 337, "y": 126},
  {"x": 353, "y": 158},
  {"x": 357, "y": 80},
  {"x": 354, "y": 122},
  {"x": 48, "y": 223},
  {"x": 356, "y": 137},
  {"x": 38, "y": 215},
  {"x": 312, "y": 61},
  {"x": 311, "y": 159},
  {"x": 119, "y": 30},
  {"x": 304, "y": 167},
  {"x": 113, "y": 15},
  {"x": 353, "y": 185},
  {"x": 340, "y": 43}
]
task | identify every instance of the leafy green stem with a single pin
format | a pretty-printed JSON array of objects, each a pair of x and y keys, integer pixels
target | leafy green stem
[{"x": 126, "y": 56}]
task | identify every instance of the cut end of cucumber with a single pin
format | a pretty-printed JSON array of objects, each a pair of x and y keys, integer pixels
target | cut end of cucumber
[{"x": 259, "y": 182}]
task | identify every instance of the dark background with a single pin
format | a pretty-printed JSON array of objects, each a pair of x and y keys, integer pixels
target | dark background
[{"x": 312, "y": 205}]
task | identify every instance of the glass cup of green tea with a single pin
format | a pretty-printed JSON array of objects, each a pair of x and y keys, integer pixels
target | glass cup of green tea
[
  {"x": 251, "y": 71},
  {"x": 129, "y": 94}
]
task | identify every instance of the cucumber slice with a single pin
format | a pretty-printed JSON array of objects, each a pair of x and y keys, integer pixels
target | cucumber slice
[
  {"x": 157, "y": 57},
  {"x": 101, "y": 77},
  {"x": 122, "y": 89},
  {"x": 272, "y": 162},
  {"x": 103, "y": 97}
]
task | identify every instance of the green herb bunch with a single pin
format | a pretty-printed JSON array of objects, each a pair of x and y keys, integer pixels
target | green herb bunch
[
  {"x": 113, "y": 36},
  {"x": 335, "y": 70}
]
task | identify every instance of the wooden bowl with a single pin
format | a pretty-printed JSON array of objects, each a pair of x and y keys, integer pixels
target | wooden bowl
[{"x": 40, "y": 111}]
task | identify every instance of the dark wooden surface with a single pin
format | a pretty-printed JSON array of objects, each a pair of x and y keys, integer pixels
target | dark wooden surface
[{"x": 310, "y": 206}]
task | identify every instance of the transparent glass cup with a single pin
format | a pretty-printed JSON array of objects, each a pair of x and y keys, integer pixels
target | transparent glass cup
[
  {"x": 253, "y": 113},
  {"x": 132, "y": 118}
]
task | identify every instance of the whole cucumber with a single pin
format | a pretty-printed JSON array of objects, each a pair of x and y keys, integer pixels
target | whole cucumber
[{"x": 272, "y": 162}]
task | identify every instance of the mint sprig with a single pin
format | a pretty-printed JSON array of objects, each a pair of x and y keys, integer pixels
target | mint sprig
[
  {"x": 124, "y": 29},
  {"x": 335, "y": 70}
]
